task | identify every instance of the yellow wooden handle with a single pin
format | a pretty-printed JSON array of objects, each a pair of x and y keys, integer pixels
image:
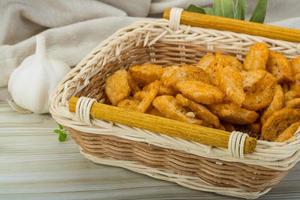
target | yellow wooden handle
[
  {"x": 239, "y": 26},
  {"x": 173, "y": 128}
]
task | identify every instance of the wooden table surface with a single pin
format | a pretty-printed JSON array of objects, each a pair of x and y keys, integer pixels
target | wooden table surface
[{"x": 35, "y": 166}]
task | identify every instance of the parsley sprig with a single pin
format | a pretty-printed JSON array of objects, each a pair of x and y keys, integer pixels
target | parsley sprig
[{"x": 62, "y": 133}]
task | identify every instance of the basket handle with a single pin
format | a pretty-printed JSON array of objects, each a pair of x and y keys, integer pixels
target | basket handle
[
  {"x": 237, "y": 143},
  {"x": 227, "y": 24}
]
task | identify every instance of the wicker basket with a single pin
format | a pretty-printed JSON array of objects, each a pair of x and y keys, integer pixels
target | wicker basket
[{"x": 186, "y": 163}]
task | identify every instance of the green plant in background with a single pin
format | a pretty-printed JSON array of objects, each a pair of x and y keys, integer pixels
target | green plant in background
[
  {"x": 62, "y": 134},
  {"x": 236, "y": 9}
]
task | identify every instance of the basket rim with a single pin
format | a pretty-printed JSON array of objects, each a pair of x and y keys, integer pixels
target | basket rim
[{"x": 286, "y": 158}]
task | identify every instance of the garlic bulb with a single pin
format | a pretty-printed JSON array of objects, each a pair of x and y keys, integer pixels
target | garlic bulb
[{"x": 32, "y": 83}]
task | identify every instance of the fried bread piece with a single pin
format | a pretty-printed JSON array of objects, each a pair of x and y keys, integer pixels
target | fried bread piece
[
  {"x": 230, "y": 81},
  {"x": 263, "y": 94},
  {"x": 212, "y": 72},
  {"x": 278, "y": 122},
  {"x": 206, "y": 61},
  {"x": 117, "y": 87},
  {"x": 201, "y": 112},
  {"x": 290, "y": 95},
  {"x": 168, "y": 107},
  {"x": 134, "y": 86},
  {"x": 280, "y": 67},
  {"x": 172, "y": 75},
  {"x": 295, "y": 86},
  {"x": 295, "y": 64},
  {"x": 288, "y": 132},
  {"x": 130, "y": 104},
  {"x": 164, "y": 90},
  {"x": 251, "y": 78},
  {"x": 294, "y": 103},
  {"x": 232, "y": 113},
  {"x": 227, "y": 60},
  {"x": 154, "y": 111},
  {"x": 257, "y": 57},
  {"x": 276, "y": 104},
  {"x": 146, "y": 73},
  {"x": 147, "y": 95},
  {"x": 200, "y": 92}
]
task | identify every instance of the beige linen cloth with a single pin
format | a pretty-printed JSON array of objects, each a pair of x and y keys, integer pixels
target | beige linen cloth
[{"x": 74, "y": 27}]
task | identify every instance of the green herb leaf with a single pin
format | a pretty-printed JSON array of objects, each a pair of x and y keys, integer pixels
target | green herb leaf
[
  {"x": 62, "y": 137},
  {"x": 223, "y": 8},
  {"x": 193, "y": 8},
  {"x": 240, "y": 9},
  {"x": 260, "y": 11},
  {"x": 58, "y": 131}
]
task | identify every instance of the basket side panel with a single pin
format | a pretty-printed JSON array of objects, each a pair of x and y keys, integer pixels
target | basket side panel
[{"x": 249, "y": 178}]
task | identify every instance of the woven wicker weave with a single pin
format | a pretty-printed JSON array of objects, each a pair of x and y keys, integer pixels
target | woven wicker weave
[{"x": 189, "y": 164}]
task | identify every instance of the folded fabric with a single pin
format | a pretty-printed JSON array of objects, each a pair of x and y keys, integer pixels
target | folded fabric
[{"x": 68, "y": 43}]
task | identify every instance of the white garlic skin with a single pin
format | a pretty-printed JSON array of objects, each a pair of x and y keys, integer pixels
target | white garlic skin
[{"x": 32, "y": 83}]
